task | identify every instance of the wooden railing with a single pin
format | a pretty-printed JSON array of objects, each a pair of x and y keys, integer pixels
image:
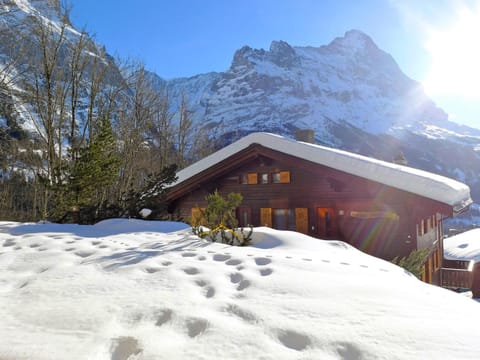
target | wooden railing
[{"x": 457, "y": 278}]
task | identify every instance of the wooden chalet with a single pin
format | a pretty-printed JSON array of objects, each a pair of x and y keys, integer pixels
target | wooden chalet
[{"x": 382, "y": 208}]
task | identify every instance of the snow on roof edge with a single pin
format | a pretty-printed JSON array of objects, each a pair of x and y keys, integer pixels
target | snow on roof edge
[{"x": 420, "y": 182}]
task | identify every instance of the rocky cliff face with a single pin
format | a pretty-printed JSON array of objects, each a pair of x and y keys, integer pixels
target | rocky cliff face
[{"x": 349, "y": 81}]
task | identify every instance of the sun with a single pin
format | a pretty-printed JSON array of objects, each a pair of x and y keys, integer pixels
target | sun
[{"x": 455, "y": 55}]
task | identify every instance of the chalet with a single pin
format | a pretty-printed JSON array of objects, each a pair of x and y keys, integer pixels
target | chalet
[{"x": 382, "y": 208}]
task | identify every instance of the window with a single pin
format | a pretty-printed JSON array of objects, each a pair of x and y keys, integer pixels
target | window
[
  {"x": 264, "y": 178},
  {"x": 281, "y": 177},
  {"x": 244, "y": 179},
  {"x": 284, "y": 219},
  {"x": 232, "y": 180},
  {"x": 276, "y": 178}
]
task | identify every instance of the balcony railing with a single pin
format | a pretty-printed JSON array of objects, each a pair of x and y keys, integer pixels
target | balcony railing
[{"x": 457, "y": 278}]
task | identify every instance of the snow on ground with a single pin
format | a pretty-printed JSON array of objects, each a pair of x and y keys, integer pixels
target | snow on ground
[{"x": 130, "y": 289}]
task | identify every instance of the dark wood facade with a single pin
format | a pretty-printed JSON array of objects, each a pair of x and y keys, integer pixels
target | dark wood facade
[{"x": 287, "y": 192}]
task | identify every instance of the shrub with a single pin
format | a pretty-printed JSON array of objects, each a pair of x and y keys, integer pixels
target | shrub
[
  {"x": 413, "y": 262},
  {"x": 217, "y": 222}
]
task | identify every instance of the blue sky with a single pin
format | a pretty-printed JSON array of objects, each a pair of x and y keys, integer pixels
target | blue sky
[{"x": 427, "y": 38}]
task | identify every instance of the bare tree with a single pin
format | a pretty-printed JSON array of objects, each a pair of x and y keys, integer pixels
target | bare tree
[
  {"x": 136, "y": 115},
  {"x": 184, "y": 132}
]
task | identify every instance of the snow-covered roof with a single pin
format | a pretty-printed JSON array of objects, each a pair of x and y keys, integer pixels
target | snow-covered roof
[
  {"x": 464, "y": 246},
  {"x": 426, "y": 184}
]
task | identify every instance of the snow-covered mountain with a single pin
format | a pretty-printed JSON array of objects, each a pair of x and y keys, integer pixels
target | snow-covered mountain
[
  {"x": 349, "y": 81},
  {"x": 353, "y": 94}
]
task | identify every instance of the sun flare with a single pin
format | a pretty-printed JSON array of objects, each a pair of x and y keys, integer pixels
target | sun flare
[{"x": 455, "y": 54}]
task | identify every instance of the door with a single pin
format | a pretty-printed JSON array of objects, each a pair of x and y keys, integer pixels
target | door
[
  {"x": 326, "y": 226},
  {"x": 301, "y": 220}
]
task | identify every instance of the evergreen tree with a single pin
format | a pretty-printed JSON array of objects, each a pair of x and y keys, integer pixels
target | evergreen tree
[
  {"x": 413, "y": 262},
  {"x": 153, "y": 194},
  {"x": 95, "y": 170}
]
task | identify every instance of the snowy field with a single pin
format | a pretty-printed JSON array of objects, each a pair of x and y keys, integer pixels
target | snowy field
[{"x": 129, "y": 289}]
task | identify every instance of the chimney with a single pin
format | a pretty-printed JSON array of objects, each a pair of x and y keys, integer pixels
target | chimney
[{"x": 305, "y": 135}]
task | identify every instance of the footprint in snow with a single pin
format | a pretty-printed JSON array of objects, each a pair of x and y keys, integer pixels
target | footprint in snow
[
  {"x": 196, "y": 326},
  {"x": 233, "y": 262},
  {"x": 241, "y": 313},
  {"x": 201, "y": 282},
  {"x": 209, "y": 292},
  {"x": 84, "y": 253},
  {"x": 221, "y": 257},
  {"x": 243, "y": 285},
  {"x": 124, "y": 348},
  {"x": 293, "y": 339},
  {"x": 235, "y": 278},
  {"x": 191, "y": 271},
  {"x": 266, "y": 271},
  {"x": 152, "y": 270},
  {"x": 262, "y": 261},
  {"x": 189, "y": 254},
  {"x": 164, "y": 316}
]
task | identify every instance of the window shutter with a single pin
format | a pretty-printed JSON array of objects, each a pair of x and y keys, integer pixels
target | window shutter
[
  {"x": 301, "y": 220},
  {"x": 285, "y": 177},
  {"x": 252, "y": 178},
  {"x": 266, "y": 217},
  {"x": 197, "y": 217}
]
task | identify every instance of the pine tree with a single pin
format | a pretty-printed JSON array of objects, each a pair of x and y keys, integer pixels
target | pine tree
[
  {"x": 95, "y": 170},
  {"x": 153, "y": 194},
  {"x": 219, "y": 218}
]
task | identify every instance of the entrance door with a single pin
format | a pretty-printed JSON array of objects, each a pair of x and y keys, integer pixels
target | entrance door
[{"x": 326, "y": 228}]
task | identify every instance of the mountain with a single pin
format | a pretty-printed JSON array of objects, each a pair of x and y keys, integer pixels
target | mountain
[
  {"x": 349, "y": 81},
  {"x": 350, "y": 92}
]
